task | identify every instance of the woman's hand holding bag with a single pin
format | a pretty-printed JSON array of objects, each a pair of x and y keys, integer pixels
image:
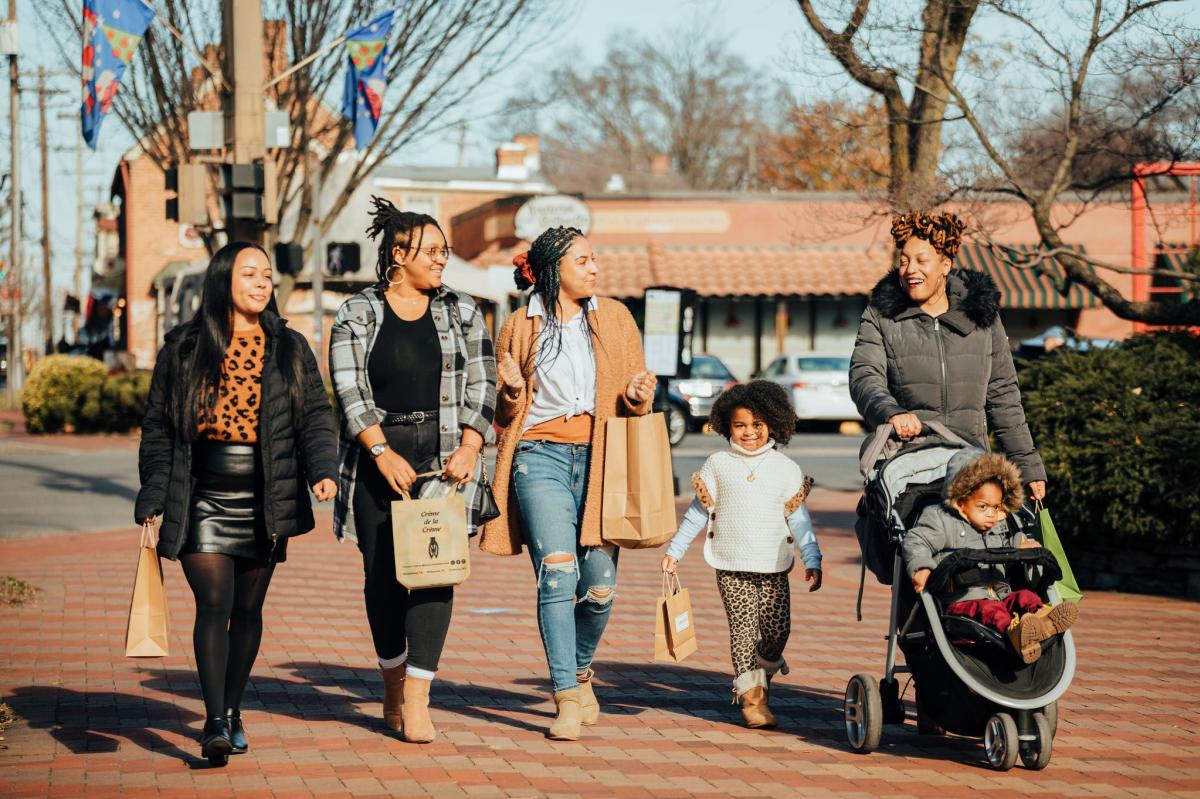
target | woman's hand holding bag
[{"x": 641, "y": 387}]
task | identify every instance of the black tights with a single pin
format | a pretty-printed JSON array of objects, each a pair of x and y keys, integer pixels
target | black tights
[{"x": 229, "y": 599}]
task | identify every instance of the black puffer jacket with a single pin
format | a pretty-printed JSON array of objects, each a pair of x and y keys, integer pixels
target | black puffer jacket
[
  {"x": 956, "y": 368},
  {"x": 296, "y": 453}
]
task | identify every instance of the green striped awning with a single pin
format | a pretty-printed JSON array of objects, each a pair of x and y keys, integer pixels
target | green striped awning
[
  {"x": 1039, "y": 286},
  {"x": 1177, "y": 258}
]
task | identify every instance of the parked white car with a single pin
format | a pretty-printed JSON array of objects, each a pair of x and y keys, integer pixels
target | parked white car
[{"x": 818, "y": 382}]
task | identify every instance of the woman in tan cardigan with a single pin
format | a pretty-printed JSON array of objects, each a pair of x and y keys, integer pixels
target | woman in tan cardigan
[{"x": 566, "y": 362}]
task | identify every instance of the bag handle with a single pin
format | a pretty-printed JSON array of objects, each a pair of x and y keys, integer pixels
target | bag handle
[
  {"x": 149, "y": 537},
  {"x": 671, "y": 585},
  {"x": 433, "y": 473}
]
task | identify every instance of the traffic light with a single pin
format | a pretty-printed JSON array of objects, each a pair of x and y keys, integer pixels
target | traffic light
[
  {"x": 242, "y": 191},
  {"x": 188, "y": 205},
  {"x": 341, "y": 258},
  {"x": 289, "y": 257}
]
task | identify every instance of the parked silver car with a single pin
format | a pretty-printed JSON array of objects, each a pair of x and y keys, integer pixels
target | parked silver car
[
  {"x": 709, "y": 377},
  {"x": 818, "y": 382}
]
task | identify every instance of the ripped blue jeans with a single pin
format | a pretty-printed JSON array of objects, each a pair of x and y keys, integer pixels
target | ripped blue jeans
[{"x": 576, "y": 584}]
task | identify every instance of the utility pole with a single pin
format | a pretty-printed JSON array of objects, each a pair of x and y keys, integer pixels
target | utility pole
[
  {"x": 318, "y": 273},
  {"x": 80, "y": 223},
  {"x": 47, "y": 277},
  {"x": 242, "y": 37},
  {"x": 15, "y": 376}
]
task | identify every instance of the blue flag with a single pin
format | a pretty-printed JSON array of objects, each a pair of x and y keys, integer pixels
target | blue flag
[
  {"x": 112, "y": 30},
  {"x": 366, "y": 78}
]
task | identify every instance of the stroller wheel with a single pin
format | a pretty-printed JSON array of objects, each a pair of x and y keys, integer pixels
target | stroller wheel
[
  {"x": 1036, "y": 755},
  {"x": 1051, "y": 713},
  {"x": 864, "y": 713},
  {"x": 1000, "y": 742}
]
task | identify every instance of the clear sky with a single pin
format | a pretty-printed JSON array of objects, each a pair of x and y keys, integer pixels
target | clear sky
[{"x": 768, "y": 34}]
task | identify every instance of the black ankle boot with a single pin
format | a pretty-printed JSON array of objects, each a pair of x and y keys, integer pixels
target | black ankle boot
[
  {"x": 214, "y": 742},
  {"x": 237, "y": 733}
]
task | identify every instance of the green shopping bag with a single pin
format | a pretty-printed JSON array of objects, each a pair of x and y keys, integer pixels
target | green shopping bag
[{"x": 1067, "y": 587}]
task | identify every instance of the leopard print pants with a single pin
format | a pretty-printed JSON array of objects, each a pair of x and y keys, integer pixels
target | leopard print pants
[{"x": 759, "y": 609}]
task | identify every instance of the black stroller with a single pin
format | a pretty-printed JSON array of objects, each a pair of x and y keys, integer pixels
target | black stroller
[{"x": 969, "y": 679}]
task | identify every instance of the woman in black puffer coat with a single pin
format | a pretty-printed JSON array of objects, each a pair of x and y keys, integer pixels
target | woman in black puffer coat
[
  {"x": 237, "y": 428},
  {"x": 931, "y": 346}
]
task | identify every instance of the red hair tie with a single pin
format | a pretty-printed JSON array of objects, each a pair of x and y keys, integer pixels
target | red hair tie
[{"x": 521, "y": 262}]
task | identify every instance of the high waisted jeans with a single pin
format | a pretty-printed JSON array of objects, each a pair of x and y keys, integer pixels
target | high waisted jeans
[{"x": 576, "y": 584}]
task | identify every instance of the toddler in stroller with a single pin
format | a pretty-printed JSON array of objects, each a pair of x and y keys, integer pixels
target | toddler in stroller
[
  {"x": 965, "y": 675},
  {"x": 981, "y": 489}
]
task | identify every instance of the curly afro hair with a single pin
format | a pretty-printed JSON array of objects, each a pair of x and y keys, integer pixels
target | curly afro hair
[
  {"x": 944, "y": 231},
  {"x": 766, "y": 400}
]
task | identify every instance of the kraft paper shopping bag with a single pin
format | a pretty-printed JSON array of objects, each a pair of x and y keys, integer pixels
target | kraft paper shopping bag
[
  {"x": 429, "y": 538},
  {"x": 147, "y": 633},
  {"x": 638, "y": 502},
  {"x": 674, "y": 633}
]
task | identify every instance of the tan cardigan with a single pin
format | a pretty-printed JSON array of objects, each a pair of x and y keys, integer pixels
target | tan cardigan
[{"x": 618, "y": 347}]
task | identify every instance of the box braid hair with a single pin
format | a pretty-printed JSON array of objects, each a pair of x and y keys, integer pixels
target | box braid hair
[
  {"x": 539, "y": 268},
  {"x": 397, "y": 228}
]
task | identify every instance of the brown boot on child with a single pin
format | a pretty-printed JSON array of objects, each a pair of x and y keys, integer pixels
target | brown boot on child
[
  {"x": 751, "y": 688},
  {"x": 1060, "y": 616},
  {"x": 1027, "y": 633}
]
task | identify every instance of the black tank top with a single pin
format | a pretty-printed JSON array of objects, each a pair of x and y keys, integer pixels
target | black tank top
[{"x": 405, "y": 364}]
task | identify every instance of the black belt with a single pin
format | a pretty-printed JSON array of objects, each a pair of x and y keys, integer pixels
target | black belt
[{"x": 415, "y": 417}]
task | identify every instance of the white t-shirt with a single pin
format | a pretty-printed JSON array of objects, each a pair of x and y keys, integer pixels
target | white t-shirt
[{"x": 566, "y": 378}]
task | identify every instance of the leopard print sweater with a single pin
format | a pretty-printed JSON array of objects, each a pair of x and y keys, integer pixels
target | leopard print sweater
[{"x": 234, "y": 417}]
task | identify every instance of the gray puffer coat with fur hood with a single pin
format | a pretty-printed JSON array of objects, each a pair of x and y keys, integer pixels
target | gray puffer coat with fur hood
[{"x": 956, "y": 368}]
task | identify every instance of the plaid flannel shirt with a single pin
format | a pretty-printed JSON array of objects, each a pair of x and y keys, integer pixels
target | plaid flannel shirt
[{"x": 467, "y": 389}]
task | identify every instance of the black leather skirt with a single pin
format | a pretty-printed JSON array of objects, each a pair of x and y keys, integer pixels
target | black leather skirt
[{"x": 226, "y": 515}]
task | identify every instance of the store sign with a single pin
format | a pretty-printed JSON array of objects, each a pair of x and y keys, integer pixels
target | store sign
[{"x": 542, "y": 213}]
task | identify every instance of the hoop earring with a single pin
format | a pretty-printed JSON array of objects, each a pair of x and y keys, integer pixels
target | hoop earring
[{"x": 400, "y": 282}]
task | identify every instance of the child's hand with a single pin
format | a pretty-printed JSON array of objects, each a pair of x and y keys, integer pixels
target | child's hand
[
  {"x": 668, "y": 564},
  {"x": 919, "y": 578},
  {"x": 1028, "y": 543},
  {"x": 813, "y": 578}
]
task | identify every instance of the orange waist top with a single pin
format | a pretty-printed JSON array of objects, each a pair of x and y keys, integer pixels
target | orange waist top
[
  {"x": 234, "y": 417},
  {"x": 561, "y": 430}
]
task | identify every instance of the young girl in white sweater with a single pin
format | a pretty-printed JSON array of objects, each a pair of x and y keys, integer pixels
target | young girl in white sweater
[{"x": 752, "y": 498}]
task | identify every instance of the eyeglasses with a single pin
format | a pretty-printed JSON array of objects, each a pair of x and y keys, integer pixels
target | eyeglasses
[{"x": 435, "y": 253}]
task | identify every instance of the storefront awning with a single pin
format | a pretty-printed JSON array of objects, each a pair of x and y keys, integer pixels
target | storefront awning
[
  {"x": 1176, "y": 258},
  {"x": 1026, "y": 286}
]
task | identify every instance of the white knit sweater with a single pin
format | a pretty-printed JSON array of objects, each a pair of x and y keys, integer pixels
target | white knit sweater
[{"x": 749, "y": 530}]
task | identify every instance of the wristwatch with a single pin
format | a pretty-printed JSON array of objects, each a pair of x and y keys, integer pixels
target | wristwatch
[{"x": 378, "y": 449}]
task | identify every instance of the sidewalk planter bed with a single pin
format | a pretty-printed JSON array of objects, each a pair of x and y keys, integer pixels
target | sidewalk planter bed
[
  {"x": 1119, "y": 431},
  {"x": 72, "y": 394}
]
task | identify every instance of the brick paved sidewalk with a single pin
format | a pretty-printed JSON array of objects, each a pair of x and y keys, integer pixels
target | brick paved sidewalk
[{"x": 95, "y": 723}]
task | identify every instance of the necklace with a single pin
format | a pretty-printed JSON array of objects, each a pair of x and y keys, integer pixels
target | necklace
[
  {"x": 750, "y": 475},
  {"x": 743, "y": 457}
]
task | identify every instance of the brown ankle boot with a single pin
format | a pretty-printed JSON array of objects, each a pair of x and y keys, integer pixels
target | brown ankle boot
[
  {"x": 1027, "y": 636},
  {"x": 393, "y": 697},
  {"x": 1060, "y": 616},
  {"x": 418, "y": 727},
  {"x": 589, "y": 706},
  {"x": 751, "y": 690},
  {"x": 566, "y": 724}
]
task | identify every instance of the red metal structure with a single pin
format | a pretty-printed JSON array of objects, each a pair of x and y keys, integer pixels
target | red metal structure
[{"x": 1144, "y": 287}]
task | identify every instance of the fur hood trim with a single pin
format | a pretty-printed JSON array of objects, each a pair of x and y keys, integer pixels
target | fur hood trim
[
  {"x": 972, "y": 293},
  {"x": 970, "y": 469}
]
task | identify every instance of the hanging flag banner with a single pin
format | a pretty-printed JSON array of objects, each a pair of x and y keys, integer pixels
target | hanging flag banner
[
  {"x": 112, "y": 30},
  {"x": 366, "y": 78}
]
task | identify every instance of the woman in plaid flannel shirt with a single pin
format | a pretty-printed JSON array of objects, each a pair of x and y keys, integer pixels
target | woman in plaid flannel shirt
[{"x": 408, "y": 339}]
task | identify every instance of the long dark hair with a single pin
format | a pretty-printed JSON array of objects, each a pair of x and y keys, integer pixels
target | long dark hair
[
  {"x": 540, "y": 268},
  {"x": 397, "y": 228},
  {"x": 205, "y": 338}
]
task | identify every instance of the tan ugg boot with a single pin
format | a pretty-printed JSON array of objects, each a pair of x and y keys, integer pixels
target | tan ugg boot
[
  {"x": 393, "y": 697},
  {"x": 751, "y": 690},
  {"x": 566, "y": 724},
  {"x": 418, "y": 727},
  {"x": 1027, "y": 634},
  {"x": 1060, "y": 616},
  {"x": 589, "y": 706}
]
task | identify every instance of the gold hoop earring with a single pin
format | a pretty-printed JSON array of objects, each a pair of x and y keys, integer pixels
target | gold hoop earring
[{"x": 403, "y": 276}]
